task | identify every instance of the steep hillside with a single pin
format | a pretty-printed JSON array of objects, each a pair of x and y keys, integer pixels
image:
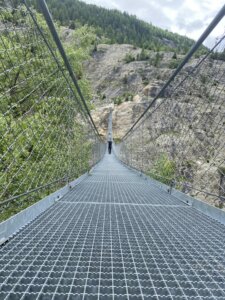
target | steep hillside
[
  {"x": 185, "y": 127},
  {"x": 127, "y": 85},
  {"x": 116, "y": 26}
]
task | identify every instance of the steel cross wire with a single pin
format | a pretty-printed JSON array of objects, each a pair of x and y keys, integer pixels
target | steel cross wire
[
  {"x": 195, "y": 47},
  {"x": 54, "y": 33},
  {"x": 46, "y": 137},
  {"x": 178, "y": 148},
  {"x": 56, "y": 38}
]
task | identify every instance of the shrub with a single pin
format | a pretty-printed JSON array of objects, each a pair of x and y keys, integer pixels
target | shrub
[
  {"x": 117, "y": 100},
  {"x": 174, "y": 63},
  {"x": 143, "y": 55},
  {"x": 219, "y": 205},
  {"x": 124, "y": 98},
  {"x": 203, "y": 79},
  {"x": 174, "y": 55},
  {"x": 156, "y": 60},
  {"x": 103, "y": 97},
  {"x": 128, "y": 97},
  {"x": 129, "y": 58},
  {"x": 218, "y": 55},
  {"x": 145, "y": 81},
  {"x": 163, "y": 169},
  {"x": 117, "y": 140},
  {"x": 125, "y": 79}
]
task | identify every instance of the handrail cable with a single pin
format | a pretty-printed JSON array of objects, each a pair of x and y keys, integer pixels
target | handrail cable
[
  {"x": 60, "y": 67},
  {"x": 194, "y": 48},
  {"x": 60, "y": 47}
]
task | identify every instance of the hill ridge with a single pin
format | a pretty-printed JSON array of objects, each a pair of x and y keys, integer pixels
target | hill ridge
[{"x": 118, "y": 27}]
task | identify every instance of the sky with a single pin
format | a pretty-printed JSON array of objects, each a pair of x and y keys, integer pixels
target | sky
[{"x": 186, "y": 17}]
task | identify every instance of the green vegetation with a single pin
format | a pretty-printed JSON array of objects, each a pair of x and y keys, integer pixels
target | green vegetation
[
  {"x": 144, "y": 55},
  {"x": 129, "y": 58},
  {"x": 203, "y": 78},
  {"x": 117, "y": 140},
  {"x": 219, "y": 204},
  {"x": 145, "y": 81},
  {"x": 155, "y": 60},
  {"x": 103, "y": 96},
  {"x": 144, "y": 78},
  {"x": 118, "y": 27},
  {"x": 41, "y": 132},
  {"x": 163, "y": 170},
  {"x": 221, "y": 170},
  {"x": 125, "y": 79},
  {"x": 117, "y": 100},
  {"x": 218, "y": 55},
  {"x": 174, "y": 63},
  {"x": 124, "y": 98},
  {"x": 174, "y": 55}
]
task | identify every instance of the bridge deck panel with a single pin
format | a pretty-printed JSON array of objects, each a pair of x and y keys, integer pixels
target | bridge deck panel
[{"x": 115, "y": 236}]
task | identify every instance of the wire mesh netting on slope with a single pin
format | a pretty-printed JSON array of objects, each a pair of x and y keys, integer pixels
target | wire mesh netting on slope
[
  {"x": 180, "y": 140},
  {"x": 46, "y": 135}
]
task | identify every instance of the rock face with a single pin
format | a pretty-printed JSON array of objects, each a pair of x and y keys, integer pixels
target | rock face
[
  {"x": 136, "y": 83},
  {"x": 110, "y": 75},
  {"x": 189, "y": 125}
]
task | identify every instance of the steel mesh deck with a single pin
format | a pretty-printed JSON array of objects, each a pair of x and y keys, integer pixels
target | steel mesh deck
[{"x": 116, "y": 237}]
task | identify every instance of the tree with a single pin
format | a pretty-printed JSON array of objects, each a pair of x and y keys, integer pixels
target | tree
[
  {"x": 174, "y": 55},
  {"x": 118, "y": 27},
  {"x": 39, "y": 119}
]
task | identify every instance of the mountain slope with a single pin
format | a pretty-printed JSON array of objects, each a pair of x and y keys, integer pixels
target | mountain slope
[
  {"x": 188, "y": 128},
  {"x": 117, "y": 27}
]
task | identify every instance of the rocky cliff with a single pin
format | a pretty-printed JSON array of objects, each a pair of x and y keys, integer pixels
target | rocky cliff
[
  {"x": 188, "y": 127},
  {"x": 125, "y": 84}
]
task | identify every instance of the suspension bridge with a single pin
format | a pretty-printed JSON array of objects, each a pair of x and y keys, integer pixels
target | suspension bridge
[{"x": 82, "y": 224}]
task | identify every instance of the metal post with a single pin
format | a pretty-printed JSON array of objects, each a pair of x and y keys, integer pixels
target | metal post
[
  {"x": 172, "y": 185},
  {"x": 131, "y": 152},
  {"x": 142, "y": 150}
]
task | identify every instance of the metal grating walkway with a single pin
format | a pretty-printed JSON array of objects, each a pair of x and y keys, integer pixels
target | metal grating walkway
[{"x": 115, "y": 236}]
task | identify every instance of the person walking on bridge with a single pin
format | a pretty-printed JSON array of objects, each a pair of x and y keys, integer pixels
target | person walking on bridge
[{"x": 110, "y": 144}]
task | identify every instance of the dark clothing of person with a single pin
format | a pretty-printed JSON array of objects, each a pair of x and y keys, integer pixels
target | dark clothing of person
[{"x": 109, "y": 147}]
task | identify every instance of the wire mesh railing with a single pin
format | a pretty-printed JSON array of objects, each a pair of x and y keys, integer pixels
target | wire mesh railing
[
  {"x": 47, "y": 135},
  {"x": 180, "y": 138}
]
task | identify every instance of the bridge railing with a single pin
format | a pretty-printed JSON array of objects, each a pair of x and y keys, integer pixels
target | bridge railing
[
  {"x": 180, "y": 138},
  {"x": 47, "y": 134}
]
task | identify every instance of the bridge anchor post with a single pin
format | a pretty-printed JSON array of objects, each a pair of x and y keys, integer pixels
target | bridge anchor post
[{"x": 172, "y": 185}]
